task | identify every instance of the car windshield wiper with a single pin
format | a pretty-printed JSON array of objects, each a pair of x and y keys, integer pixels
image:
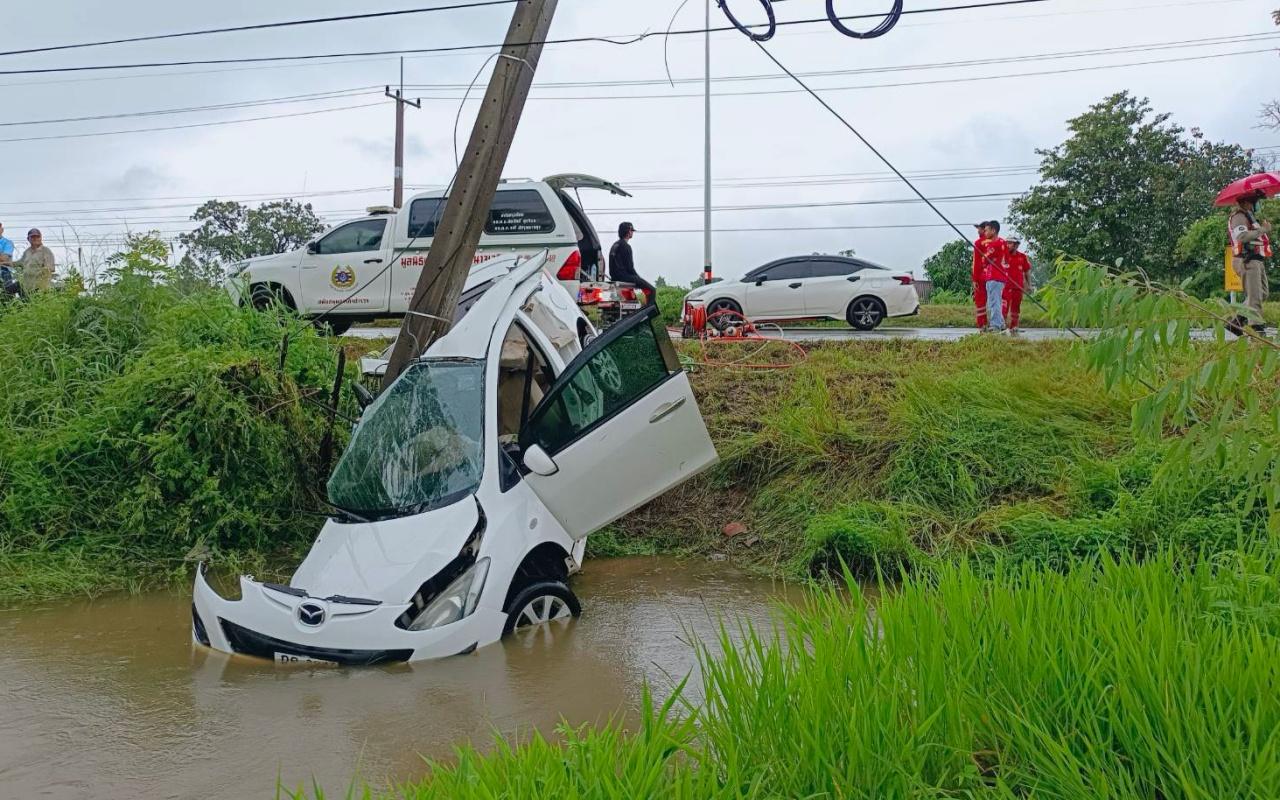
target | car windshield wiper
[{"x": 350, "y": 516}]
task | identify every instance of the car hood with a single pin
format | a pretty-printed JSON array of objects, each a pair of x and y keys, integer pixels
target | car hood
[
  {"x": 703, "y": 291},
  {"x": 388, "y": 560}
]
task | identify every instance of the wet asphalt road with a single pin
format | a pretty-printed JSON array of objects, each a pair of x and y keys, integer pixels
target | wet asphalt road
[{"x": 811, "y": 335}]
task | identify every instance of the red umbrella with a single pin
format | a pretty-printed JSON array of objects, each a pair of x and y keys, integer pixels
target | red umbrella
[{"x": 1265, "y": 183}]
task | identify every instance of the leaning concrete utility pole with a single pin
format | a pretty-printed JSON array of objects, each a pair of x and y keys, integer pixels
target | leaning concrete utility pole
[
  {"x": 397, "y": 197},
  {"x": 467, "y": 209}
]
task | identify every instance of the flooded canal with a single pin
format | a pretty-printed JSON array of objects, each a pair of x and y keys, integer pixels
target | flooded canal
[{"x": 110, "y": 700}]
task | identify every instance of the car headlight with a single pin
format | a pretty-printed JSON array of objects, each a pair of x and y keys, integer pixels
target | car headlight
[{"x": 456, "y": 602}]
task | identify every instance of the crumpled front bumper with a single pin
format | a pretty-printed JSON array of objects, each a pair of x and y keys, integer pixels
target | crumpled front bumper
[{"x": 289, "y": 626}]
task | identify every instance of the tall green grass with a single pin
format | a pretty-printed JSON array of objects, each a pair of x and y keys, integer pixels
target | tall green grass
[
  {"x": 1112, "y": 680},
  {"x": 141, "y": 425}
]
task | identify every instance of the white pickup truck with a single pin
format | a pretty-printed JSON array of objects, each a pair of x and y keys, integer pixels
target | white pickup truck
[{"x": 368, "y": 268}]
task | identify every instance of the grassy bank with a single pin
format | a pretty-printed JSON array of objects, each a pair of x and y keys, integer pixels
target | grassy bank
[
  {"x": 1152, "y": 680},
  {"x": 143, "y": 428},
  {"x": 907, "y": 453}
]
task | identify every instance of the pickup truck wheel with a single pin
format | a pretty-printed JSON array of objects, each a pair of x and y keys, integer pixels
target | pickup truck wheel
[
  {"x": 261, "y": 297},
  {"x": 540, "y": 603}
]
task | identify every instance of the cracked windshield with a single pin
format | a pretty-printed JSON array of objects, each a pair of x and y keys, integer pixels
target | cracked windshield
[{"x": 419, "y": 444}]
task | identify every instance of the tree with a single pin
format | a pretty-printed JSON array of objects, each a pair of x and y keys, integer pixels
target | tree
[
  {"x": 951, "y": 268},
  {"x": 1271, "y": 111},
  {"x": 1125, "y": 185},
  {"x": 230, "y": 231},
  {"x": 144, "y": 255}
]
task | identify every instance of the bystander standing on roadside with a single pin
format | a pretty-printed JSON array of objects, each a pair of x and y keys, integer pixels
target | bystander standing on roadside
[
  {"x": 1251, "y": 247},
  {"x": 8, "y": 284},
  {"x": 1019, "y": 282},
  {"x": 990, "y": 265},
  {"x": 36, "y": 265}
]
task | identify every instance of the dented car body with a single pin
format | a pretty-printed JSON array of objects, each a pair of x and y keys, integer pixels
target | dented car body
[{"x": 471, "y": 484}]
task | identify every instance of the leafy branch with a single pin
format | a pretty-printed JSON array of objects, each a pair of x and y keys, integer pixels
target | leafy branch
[{"x": 1214, "y": 397}]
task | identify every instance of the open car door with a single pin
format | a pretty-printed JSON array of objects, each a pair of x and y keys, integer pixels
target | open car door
[{"x": 619, "y": 427}]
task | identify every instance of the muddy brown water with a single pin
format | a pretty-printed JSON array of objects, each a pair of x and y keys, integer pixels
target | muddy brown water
[{"x": 109, "y": 699}]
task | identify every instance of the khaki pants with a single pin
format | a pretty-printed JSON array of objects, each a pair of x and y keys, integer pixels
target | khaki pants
[{"x": 1256, "y": 288}]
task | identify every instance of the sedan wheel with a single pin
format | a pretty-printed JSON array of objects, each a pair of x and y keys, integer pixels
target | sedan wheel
[
  {"x": 866, "y": 313},
  {"x": 540, "y": 604}
]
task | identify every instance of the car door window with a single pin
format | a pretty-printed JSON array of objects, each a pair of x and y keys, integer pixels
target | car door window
[
  {"x": 790, "y": 270},
  {"x": 355, "y": 237},
  {"x": 618, "y": 369},
  {"x": 833, "y": 268},
  {"x": 424, "y": 216},
  {"x": 524, "y": 378}
]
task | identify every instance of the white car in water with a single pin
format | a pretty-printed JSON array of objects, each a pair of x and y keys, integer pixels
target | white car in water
[
  {"x": 465, "y": 497},
  {"x": 813, "y": 287}
]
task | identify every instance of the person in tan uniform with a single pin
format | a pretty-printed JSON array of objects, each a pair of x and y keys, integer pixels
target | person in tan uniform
[{"x": 36, "y": 264}]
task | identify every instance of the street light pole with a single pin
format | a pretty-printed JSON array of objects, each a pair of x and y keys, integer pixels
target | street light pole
[{"x": 706, "y": 178}]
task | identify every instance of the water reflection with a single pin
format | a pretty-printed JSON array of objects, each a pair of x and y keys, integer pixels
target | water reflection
[{"x": 109, "y": 699}]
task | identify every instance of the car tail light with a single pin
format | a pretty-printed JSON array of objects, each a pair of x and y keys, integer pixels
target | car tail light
[
  {"x": 627, "y": 295},
  {"x": 905, "y": 280},
  {"x": 569, "y": 272},
  {"x": 589, "y": 295}
]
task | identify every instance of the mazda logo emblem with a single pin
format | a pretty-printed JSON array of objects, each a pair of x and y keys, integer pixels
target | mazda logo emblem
[{"x": 311, "y": 614}]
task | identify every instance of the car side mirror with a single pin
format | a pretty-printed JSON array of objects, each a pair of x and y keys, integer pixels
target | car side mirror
[
  {"x": 313, "y": 247},
  {"x": 760, "y": 280},
  {"x": 538, "y": 462}
]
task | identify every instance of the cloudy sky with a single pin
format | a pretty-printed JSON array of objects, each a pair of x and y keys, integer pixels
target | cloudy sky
[{"x": 967, "y": 129}]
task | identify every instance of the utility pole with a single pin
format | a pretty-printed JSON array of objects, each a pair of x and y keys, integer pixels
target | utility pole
[
  {"x": 397, "y": 197},
  {"x": 453, "y": 249},
  {"x": 706, "y": 178}
]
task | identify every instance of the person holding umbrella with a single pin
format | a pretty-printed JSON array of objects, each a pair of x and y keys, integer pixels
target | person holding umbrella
[{"x": 1250, "y": 240}]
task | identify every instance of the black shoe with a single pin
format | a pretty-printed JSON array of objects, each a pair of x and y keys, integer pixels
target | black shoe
[{"x": 1236, "y": 325}]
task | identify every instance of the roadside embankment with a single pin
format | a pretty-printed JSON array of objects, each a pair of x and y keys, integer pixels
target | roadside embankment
[{"x": 140, "y": 428}]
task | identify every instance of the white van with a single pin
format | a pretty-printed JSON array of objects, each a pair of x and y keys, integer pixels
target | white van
[{"x": 368, "y": 268}]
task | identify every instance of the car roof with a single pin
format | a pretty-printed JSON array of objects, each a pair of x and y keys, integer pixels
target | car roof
[{"x": 470, "y": 339}]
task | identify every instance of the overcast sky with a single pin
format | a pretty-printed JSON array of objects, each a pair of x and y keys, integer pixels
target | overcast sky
[{"x": 90, "y": 189}]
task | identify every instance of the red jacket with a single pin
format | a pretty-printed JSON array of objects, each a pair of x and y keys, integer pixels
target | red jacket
[
  {"x": 1019, "y": 270},
  {"x": 990, "y": 260}
]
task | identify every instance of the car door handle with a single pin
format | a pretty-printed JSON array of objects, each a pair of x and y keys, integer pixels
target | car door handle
[
  {"x": 794, "y": 285},
  {"x": 665, "y": 410},
  {"x": 854, "y": 278},
  {"x": 373, "y": 261}
]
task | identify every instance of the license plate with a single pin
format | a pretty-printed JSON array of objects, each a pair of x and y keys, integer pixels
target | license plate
[
  {"x": 290, "y": 658},
  {"x": 630, "y": 306}
]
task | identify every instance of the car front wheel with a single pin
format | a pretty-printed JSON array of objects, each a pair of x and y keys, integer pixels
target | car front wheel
[
  {"x": 542, "y": 603},
  {"x": 865, "y": 313}
]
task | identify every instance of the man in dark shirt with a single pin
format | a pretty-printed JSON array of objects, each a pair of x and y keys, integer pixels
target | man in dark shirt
[{"x": 622, "y": 264}]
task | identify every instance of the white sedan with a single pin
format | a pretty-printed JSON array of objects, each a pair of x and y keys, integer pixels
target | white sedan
[{"x": 815, "y": 287}]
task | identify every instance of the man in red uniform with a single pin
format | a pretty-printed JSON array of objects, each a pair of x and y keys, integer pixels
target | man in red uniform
[
  {"x": 1018, "y": 282},
  {"x": 989, "y": 257}
]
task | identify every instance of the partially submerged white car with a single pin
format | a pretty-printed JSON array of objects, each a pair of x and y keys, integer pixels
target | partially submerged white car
[{"x": 471, "y": 483}]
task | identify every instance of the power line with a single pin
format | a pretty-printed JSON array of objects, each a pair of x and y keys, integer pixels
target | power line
[
  {"x": 259, "y": 27},
  {"x": 269, "y": 101},
  {"x": 1053, "y": 56},
  {"x": 897, "y": 85},
  {"x": 186, "y": 127},
  {"x": 471, "y": 47}
]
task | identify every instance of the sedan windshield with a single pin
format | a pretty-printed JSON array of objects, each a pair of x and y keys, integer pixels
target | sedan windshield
[{"x": 418, "y": 446}]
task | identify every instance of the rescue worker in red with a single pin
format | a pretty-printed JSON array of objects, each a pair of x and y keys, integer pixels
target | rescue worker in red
[
  {"x": 989, "y": 256},
  {"x": 1018, "y": 282}
]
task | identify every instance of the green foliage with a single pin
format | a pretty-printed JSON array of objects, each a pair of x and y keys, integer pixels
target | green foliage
[
  {"x": 142, "y": 424},
  {"x": 1125, "y": 681},
  {"x": 230, "y": 231},
  {"x": 671, "y": 303},
  {"x": 868, "y": 538},
  {"x": 951, "y": 269},
  {"x": 1221, "y": 395},
  {"x": 1126, "y": 185}
]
